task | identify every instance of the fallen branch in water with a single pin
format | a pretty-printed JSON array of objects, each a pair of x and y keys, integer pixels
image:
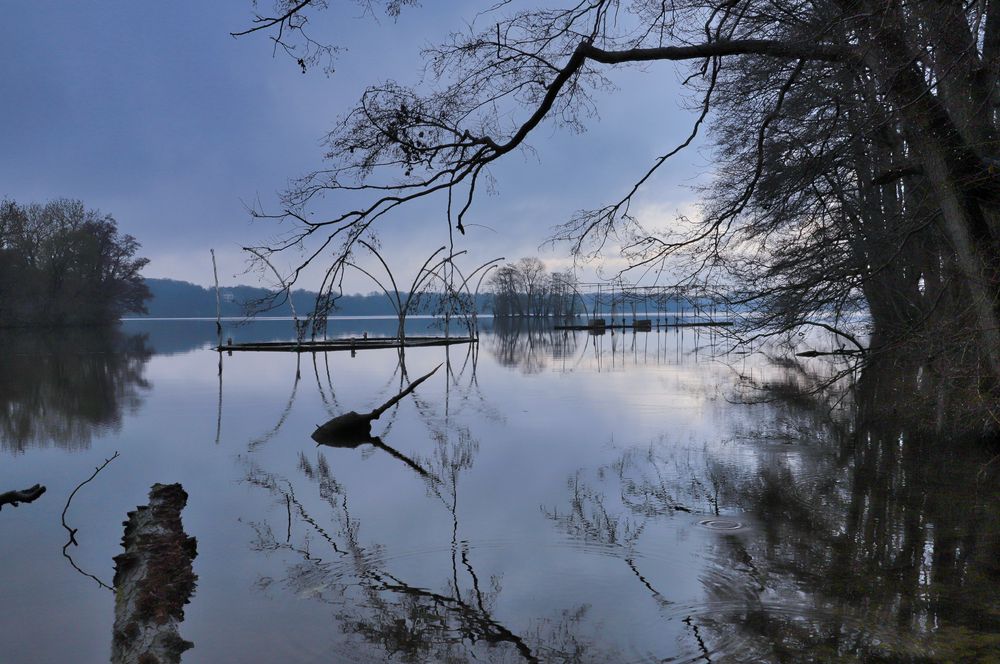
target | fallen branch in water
[
  {"x": 357, "y": 427},
  {"x": 14, "y": 498},
  {"x": 72, "y": 531}
]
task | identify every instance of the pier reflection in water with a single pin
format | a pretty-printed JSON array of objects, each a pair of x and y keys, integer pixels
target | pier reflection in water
[
  {"x": 548, "y": 496},
  {"x": 534, "y": 345}
]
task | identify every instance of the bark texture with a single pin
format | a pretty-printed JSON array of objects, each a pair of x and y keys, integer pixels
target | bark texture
[{"x": 153, "y": 581}]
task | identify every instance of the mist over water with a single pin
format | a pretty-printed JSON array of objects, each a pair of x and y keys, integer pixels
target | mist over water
[{"x": 547, "y": 495}]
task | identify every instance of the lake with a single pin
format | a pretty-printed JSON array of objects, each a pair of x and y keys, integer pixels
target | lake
[{"x": 546, "y": 496}]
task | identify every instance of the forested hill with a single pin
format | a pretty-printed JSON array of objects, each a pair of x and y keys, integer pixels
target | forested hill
[{"x": 180, "y": 299}]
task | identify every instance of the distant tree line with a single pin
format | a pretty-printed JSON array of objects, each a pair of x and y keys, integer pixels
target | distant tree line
[
  {"x": 181, "y": 299},
  {"x": 525, "y": 288},
  {"x": 61, "y": 264}
]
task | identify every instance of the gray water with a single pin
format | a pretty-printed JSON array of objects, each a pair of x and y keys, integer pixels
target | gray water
[{"x": 545, "y": 496}]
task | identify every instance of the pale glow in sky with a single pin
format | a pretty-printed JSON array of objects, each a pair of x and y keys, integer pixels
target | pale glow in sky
[{"x": 153, "y": 113}]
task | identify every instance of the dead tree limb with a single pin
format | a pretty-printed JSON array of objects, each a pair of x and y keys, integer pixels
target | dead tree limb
[
  {"x": 72, "y": 531},
  {"x": 14, "y": 498},
  {"x": 355, "y": 426}
]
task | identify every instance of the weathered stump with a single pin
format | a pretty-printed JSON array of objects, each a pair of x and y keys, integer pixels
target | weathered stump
[{"x": 153, "y": 581}]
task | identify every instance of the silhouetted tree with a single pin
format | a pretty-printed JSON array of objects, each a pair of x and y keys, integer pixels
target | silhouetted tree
[
  {"x": 858, "y": 146},
  {"x": 61, "y": 264}
]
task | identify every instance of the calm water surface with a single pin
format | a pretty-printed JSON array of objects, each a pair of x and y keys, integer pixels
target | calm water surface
[{"x": 549, "y": 496}]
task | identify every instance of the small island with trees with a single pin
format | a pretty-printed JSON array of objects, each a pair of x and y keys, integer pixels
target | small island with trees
[{"x": 62, "y": 264}]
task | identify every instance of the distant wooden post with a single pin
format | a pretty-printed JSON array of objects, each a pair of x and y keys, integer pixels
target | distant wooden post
[{"x": 218, "y": 300}]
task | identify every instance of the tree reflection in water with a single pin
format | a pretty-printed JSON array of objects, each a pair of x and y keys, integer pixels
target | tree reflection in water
[
  {"x": 854, "y": 537},
  {"x": 61, "y": 387},
  {"x": 529, "y": 344},
  {"x": 400, "y": 619},
  {"x": 864, "y": 540}
]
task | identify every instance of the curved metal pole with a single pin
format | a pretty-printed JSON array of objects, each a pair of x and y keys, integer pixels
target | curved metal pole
[
  {"x": 381, "y": 260},
  {"x": 465, "y": 286},
  {"x": 284, "y": 286},
  {"x": 413, "y": 288},
  {"x": 372, "y": 277},
  {"x": 475, "y": 298}
]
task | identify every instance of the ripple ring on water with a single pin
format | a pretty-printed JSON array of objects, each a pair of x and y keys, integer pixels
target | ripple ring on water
[{"x": 721, "y": 524}]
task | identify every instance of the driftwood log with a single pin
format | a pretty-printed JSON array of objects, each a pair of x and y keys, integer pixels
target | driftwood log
[
  {"x": 153, "y": 581},
  {"x": 352, "y": 429},
  {"x": 15, "y": 498}
]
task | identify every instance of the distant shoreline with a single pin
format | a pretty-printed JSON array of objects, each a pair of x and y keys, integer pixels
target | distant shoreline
[{"x": 289, "y": 318}]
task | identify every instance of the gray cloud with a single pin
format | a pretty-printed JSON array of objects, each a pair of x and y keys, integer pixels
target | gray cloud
[{"x": 153, "y": 113}]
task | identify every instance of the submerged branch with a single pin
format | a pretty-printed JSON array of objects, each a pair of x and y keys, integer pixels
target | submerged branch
[
  {"x": 72, "y": 531},
  {"x": 14, "y": 498},
  {"x": 355, "y": 426}
]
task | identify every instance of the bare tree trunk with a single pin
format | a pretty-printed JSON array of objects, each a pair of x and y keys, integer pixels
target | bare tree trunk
[{"x": 950, "y": 165}]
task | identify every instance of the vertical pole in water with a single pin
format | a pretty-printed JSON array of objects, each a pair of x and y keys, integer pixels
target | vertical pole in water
[
  {"x": 218, "y": 300},
  {"x": 218, "y": 416},
  {"x": 612, "y": 311},
  {"x": 218, "y": 332}
]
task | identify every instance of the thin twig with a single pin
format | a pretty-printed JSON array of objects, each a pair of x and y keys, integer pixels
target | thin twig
[{"x": 72, "y": 531}]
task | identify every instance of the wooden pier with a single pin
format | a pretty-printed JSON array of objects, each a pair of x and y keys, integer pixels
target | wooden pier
[
  {"x": 352, "y": 344},
  {"x": 599, "y": 325}
]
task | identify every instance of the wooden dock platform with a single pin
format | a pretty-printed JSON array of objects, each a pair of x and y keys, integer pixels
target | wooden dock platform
[
  {"x": 351, "y": 343},
  {"x": 640, "y": 325}
]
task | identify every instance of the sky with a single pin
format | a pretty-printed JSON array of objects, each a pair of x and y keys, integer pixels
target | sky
[{"x": 153, "y": 113}]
